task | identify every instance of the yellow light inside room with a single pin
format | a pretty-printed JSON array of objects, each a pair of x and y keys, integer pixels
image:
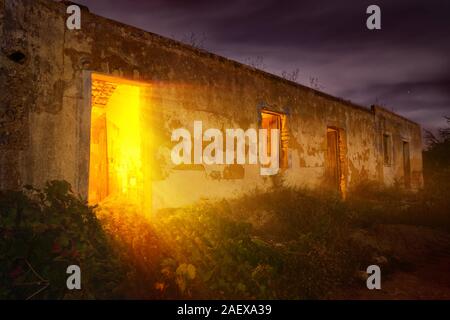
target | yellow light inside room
[{"x": 115, "y": 169}]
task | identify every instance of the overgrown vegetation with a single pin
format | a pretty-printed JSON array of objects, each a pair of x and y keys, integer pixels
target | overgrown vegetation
[
  {"x": 436, "y": 160},
  {"x": 43, "y": 232},
  {"x": 252, "y": 248},
  {"x": 286, "y": 244},
  {"x": 283, "y": 244}
]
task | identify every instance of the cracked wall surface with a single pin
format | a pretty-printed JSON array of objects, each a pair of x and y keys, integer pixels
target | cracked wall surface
[{"x": 47, "y": 93}]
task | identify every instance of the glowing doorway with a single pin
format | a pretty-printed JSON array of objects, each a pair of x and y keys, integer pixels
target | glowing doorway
[{"x": 116, "y": 167}]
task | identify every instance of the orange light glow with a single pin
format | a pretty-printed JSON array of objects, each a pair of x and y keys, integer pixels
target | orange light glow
[{"x": 116, "y": 166}]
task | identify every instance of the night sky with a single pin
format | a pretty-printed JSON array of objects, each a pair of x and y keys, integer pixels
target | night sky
[{"x": 404, "y": 67}]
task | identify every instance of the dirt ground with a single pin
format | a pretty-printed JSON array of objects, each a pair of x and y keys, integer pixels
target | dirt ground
[{"x": 421, "y": 269}]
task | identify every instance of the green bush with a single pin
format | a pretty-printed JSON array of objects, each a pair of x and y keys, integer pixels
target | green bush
[
  {"x": 282, "y": 244},
  {"x": 43, "y": 232},
  {"x": 288, "y": 244}
]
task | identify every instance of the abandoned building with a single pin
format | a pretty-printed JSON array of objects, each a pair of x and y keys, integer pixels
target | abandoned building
[{"x": 97, "y": 107}]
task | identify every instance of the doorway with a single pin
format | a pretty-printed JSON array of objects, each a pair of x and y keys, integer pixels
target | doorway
[
  {"x": 335, "y": 172},
  {"x": 117, "y": 142},
  {"x": 275, "y": 120},
  {"x": 406, "y": 165}
]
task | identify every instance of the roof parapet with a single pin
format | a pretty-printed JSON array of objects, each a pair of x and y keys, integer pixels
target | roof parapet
[{"x": 378, "y": 109}]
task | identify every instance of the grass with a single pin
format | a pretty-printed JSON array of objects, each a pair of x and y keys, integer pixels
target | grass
[{"x": 284, "y": 244}]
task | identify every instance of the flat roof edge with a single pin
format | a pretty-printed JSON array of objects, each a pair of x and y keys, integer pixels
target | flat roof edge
[
  {"x": 376, "y": 108},
  {"x": 204, "y": 53}
]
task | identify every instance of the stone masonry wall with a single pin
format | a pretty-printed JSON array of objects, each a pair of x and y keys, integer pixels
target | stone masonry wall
[{"x": 45, "y": 101}]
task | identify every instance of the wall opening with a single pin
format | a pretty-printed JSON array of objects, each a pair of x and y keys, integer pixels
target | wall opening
[
  {"x": 406, "y": 165},
  {"x": 117, "y": 165},
  {"x": 275, "y": 120},
  {"x": 17, "y": 56},
  {"x": 336, "y": 173},
  {"x": 387, "y": 149}
]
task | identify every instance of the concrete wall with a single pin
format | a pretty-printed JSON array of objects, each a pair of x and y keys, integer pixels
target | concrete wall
[
  {"x": 401, "y": 130},
  {"x": 45, "y": 103}
]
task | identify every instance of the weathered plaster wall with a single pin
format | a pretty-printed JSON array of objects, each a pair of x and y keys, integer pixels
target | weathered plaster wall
[
  {"x": 32, "y": 93},
  {"x": 49, "y": 94},
  {"x": 401, "y": 130}
]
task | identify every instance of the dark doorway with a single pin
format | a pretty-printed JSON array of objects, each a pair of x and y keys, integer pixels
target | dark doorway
[
  {"x": 333, "y": 163},
  {"x": 406, "y": 165}
]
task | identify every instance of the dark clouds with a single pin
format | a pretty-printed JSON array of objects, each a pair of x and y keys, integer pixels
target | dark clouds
[{"x": 405, "y": 66}]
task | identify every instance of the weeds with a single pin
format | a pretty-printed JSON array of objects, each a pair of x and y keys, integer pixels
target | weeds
[
  {"x": 43, "y": 232},
  {"x": 284, "y": 244}
]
